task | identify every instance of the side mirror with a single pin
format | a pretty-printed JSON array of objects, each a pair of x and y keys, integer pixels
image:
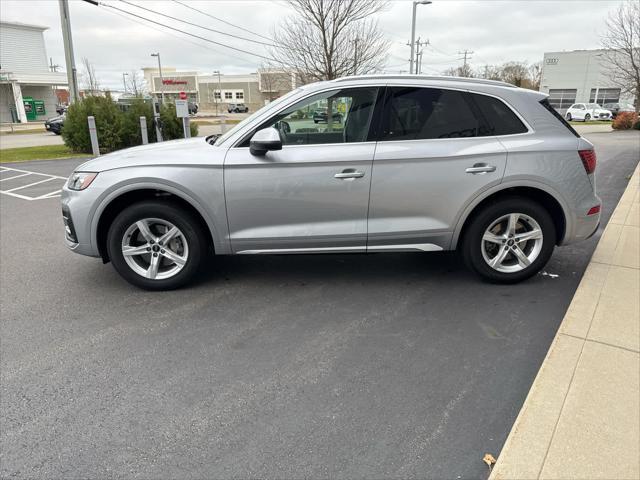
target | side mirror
[{"x": 265, "y": 140}]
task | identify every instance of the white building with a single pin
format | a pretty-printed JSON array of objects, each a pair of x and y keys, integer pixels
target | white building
[
  {"x": 579, "y": 76},
  {"x": 26, "y": 84}
]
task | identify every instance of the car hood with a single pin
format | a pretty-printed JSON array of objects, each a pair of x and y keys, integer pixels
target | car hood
[{"x": 193, "y": 151}]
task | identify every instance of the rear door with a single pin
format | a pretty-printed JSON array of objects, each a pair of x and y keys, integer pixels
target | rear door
[{"x": 436, "y": 153}]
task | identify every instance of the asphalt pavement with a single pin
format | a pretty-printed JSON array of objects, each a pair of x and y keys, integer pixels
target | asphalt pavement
[{"x": 343, "y": 366}]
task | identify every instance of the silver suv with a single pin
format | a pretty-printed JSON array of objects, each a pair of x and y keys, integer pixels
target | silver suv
[{"x": 416, "y": 164}]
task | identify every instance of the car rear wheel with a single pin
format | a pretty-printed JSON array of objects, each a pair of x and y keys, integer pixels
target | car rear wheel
[
  {"x": 156, "y": 245},
  {"x": 509, "y": 241},
  {"x": 569, "y": 117}
]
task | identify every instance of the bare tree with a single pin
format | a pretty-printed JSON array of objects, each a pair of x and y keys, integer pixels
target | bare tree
[
  {"x": 327, "y": 39},
  {"x": 516, "y": 73},
  {"x": 535, "y": 75},
  {"x": 274, "y": 81},
  {"x": 490, "y": 72},
  {"x": 92, "y": 85},
  {"x": 136, "y": 83},
  {"x": 622, "y": 43},
  {"x": 463, "y": 70}
]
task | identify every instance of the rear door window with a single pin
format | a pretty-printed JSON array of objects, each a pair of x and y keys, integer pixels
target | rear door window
[
  {"x": 416, "y": 113},
  {"x": 498, "y": 117}
]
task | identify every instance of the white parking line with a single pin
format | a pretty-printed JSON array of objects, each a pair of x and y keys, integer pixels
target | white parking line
[
  {"x": 25, "y": 173},
  {"x": 15, "y": 176}
]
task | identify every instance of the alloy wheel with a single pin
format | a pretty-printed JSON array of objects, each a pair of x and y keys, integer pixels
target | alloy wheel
[
  {"x": 512, "y": 242},
  {"x": 154, "y": 248}
]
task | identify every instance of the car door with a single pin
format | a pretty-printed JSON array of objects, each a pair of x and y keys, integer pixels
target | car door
[
  {"x": 436, "y": 153},
  {"x": 313, "y": 195}
]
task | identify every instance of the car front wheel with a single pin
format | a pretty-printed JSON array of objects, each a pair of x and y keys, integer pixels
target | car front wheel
[
  {"x": 509, "y": 240},
  {"x": 587, "y": 117},
  {"x": 156, "y": 245}
]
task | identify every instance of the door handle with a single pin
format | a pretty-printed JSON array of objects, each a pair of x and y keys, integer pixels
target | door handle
[
  {"x": 349, "y": 173},
  {"x": 481, "y": 168}
]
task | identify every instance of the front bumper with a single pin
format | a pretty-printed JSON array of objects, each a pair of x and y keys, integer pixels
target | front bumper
[{"x": 76, "y": 219}]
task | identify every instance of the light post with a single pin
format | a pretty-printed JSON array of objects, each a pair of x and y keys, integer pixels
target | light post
[
  {"x": 413, "y": 31},
  {"x": 124, "y": 81},
  {"x": 160, "y": 72},
  {"x": 219, "y": 91}
]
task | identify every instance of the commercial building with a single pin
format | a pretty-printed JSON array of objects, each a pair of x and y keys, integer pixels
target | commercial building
[
  {"x": 27, "y": 86},
  {"x": 216, "y": 91},
  {"x": 579, "y": 76}
]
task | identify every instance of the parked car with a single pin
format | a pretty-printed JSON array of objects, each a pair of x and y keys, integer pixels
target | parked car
[
  {"x": 616, "y": 108},
  {"x": 423, "y": 164},
  {"x": 237, "y": 108},
  {"x": 55, "y": 124},
  {"x": 193, "y": 108},
  {"x": 587, "y": 111},
  {"x": 322, "y": 116}
]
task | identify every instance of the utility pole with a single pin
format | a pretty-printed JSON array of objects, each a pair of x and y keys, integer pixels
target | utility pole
[
  {"x": 160, "y": 72},
  {"x": 466, "y": 54},
  {"x": 124, "y": 81},
  {"x": 419, "y": 52},
  {"x": 72, "y": 74}
]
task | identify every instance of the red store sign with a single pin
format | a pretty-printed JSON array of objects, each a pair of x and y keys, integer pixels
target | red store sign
[{"x": 174, "y": 82}]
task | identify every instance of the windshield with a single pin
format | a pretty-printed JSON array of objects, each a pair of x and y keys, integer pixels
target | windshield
[
  {"x": 593, "y": 105},
  {"x": 250, "y": 118}
]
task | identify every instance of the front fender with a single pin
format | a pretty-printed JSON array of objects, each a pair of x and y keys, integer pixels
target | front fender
[{"x": 206, "y": 196}]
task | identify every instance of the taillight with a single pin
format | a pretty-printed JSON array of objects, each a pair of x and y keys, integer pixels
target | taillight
[{"x": 588, "y": 158}]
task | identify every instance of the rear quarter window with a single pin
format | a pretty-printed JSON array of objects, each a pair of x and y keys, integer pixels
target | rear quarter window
[{"x": 498, "y": 117}]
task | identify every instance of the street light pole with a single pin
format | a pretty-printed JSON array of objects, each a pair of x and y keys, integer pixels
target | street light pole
[
  {"x": 72, "y": 74},
  {"x": 124, "y": 82},
  {"x": 412, "y": 61},
  {"x": 160, "y": 72},
  {"x": 219, "y": 91}
]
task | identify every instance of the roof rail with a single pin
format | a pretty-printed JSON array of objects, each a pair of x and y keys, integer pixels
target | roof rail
[{"x": 425, "y": 77}]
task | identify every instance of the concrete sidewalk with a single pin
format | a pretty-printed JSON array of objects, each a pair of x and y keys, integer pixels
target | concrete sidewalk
[{"x": 581, "y": 418}]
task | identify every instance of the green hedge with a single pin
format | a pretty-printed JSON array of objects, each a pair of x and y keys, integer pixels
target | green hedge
[{"x": 117, "y": 129}]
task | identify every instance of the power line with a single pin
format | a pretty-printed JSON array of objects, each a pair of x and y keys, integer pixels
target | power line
[
  {"x": 201, "y": 45},
  {"x": 196, "y": 25},
  {"x": 186, "y": 33},
  {"x": 223, "y": 21}
]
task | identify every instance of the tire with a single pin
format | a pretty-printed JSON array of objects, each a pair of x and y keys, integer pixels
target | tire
[
  {"x": 189, "y": 245},
  {"x": 587, "y": 117},
  {"x": 477, "y": 252},
  {"x": 569, "y": 117}
]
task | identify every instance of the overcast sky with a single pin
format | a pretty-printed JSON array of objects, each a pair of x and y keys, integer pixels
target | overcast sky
[{"x": 496, "y": 31}]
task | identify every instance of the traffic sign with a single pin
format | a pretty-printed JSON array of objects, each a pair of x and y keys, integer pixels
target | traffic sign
[{"x": 183, "y": 95}]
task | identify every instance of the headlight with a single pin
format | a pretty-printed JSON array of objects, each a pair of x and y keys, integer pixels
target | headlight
[{"x": 80, "y": 180}]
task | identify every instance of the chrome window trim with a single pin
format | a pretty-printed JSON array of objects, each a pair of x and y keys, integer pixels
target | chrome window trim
[{"x": 530, "y": 129}]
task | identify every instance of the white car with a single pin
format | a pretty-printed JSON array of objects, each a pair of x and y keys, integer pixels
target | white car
[{"x": 587, "y": 111}]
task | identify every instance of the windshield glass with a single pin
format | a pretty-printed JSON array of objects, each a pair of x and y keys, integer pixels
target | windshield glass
[
  {"x": 593, "y": 105},
  {"x": 244, "y": 122}
]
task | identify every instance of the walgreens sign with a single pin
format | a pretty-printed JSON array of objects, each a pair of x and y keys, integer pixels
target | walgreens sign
[{"x": 174, "y": 82}]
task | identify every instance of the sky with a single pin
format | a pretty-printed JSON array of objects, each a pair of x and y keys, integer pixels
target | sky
[{"x": 495, "y": 30}]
